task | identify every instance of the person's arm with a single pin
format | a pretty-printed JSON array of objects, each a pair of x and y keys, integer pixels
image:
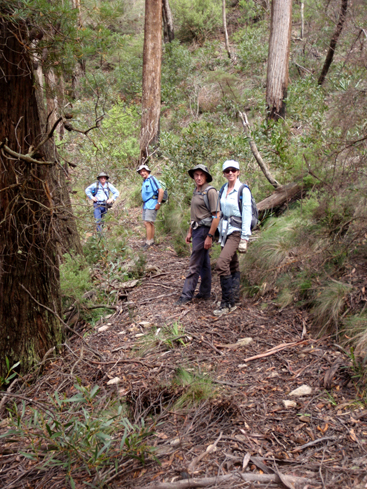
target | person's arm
[
  {"x": 246, "y": 220},
  {"x": 159, "y": 198},
  {"x": 188, "y": 236},
  {"x": 115, "y": 193},
  {"x": 215, "y": 222},
  {"x": 89, "y": 191}
]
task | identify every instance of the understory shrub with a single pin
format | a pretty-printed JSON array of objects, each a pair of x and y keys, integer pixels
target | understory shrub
[
  {"x": 197, "y": 19},
  {"x": 83, "y": 433}
]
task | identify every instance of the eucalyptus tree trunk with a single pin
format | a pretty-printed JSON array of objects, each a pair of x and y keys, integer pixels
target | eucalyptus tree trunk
[
  {"x": 169, "y": 33},
  {"x": 152, "y": 61},
  {"x": 334, "y": 40},
  {"x": 31, "y": 217},
  {"x": 278, "y": 59}
]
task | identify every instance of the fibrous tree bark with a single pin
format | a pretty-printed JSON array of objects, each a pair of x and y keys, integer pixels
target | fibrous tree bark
[
  {"x": 333, "y": 42},
  {"x": 168, "y": 29},
  {"x": 33, "y": 217},
  {"x": 278, "y": 58},
  {"x": 152, "y": 60}
]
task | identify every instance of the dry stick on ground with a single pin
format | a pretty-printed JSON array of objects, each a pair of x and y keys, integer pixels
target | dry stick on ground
[
  {"x": 277, "y": 349},
  {"x": 212, "y": 481}
]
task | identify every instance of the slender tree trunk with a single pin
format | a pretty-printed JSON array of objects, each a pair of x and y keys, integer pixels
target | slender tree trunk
[
  {"x": 225, "y": 28},
  {"x": 278, "y": 59},
  {"x": 29, "y": 275},
  {"x": 169, "y": 33},
  {"x": 152, "y": 60},
  {"x": 334, "y": 40}
]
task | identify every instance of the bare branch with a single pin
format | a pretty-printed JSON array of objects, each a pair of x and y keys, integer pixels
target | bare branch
[
  {"x": 27, "y": 158},
  {"x": 255, "y": 152}
]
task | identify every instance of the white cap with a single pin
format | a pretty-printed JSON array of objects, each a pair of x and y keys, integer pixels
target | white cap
[{"x": 231, "y": 164}]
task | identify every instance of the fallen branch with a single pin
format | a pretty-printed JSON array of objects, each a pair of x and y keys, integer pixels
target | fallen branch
[
  {"x": 281, "y": 347},
  {"x": 212, "y": 481}
]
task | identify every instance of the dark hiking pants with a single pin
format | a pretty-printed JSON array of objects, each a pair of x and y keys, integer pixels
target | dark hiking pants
[{"x": 199, "y": 266}]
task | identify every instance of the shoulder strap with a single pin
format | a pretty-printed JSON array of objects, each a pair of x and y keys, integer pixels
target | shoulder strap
[
  {"x": 155, "y": 183},
  {"x": 221, "y": 191},
  {"x": 239, "y": 196}
]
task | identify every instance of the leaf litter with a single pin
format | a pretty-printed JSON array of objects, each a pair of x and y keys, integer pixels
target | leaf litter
[{"x": 213, "y": 391}]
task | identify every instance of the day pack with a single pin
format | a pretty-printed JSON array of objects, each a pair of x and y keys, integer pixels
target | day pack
[
  {"x": 206, "y": 198},
  {"x": 95, "y": 190},
  {"x": 155, "y": 184},
  {"x": 254, "y": 210}
]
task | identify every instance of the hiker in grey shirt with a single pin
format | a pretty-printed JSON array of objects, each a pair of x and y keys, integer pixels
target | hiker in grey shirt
[{"x": 99, "y": 193}]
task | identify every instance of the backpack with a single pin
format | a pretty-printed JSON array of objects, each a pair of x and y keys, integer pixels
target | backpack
[
  {"x": 95, "y": 190},
  {"x": 165, "y": 193},
  {"x": 206, "y": 198},
  {"x": 254, "y": 210}
]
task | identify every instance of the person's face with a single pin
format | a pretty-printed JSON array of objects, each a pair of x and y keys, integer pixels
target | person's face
[
  {"x": 144, "y": 174},
  {"x": 200, "y": 177},
  {"x": 103, "y": 180},
  {"x": 231, "y": 174}
]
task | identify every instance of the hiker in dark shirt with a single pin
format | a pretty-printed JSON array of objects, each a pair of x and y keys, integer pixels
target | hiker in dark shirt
[
  {"x": 99, "y": 193},
  {"x": 152, "y": 195},
  {"x": 204, "y": 222}
]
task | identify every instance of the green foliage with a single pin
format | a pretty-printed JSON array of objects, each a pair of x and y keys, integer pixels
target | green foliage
[
  {"x": 80, "y": 433},
  {"x": 176, "y": 71},
  {"x": 197, "y": 388},
  {"x": 74, "y": 278},
  {"x": 169, "y": 337},
  {"x": 116, "y": 143},
  {"x": 252, "y": 10},
  {"x": 356, "y": 332},
  {"x": 10, "y": 373},
  {"x": 197, "y": 18},
  {"x": 330, "y": 303}
]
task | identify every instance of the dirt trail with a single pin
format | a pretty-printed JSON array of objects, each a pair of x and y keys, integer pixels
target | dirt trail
[
  {"x": 322, "y": 438},
  {"x": 244, "y": 427}
]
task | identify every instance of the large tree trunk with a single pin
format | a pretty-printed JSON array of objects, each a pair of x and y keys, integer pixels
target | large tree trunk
[
  {"x": 152, "y": 60},
  {"x": 29, "y": 213},
  {"x": 334, "y": 40},
  {"x": 278, "y": 59}
]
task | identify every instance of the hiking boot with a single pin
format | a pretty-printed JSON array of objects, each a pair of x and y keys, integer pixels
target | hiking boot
[
  {"x": 224, "y": 308},
  {"x": 146, "y": 246},
  {"x": 202, "y": 297},
  {"x": 182, "y": 301},
  {"x": 236, "y": 282}
]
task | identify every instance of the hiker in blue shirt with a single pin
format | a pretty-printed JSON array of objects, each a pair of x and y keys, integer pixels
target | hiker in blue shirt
[
  {"x": 152, "y": 195},
  {"x": 235, "y": 231},
  {"x": 99, "y": 192}
]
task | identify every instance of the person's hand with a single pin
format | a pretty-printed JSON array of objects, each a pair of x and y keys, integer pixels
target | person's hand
[
  {"x": 242, "y": 247},
  {"x": 157, "y": 207},
  {"x": 208, "y": 243},
  {"x": 94, "y": 199},
  {"x": 109, "y": 201},
  {"x": 188, "y": 239}
]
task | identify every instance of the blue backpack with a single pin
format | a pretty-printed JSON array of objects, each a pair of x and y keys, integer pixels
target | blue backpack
[{"x": 155, "y": 184}]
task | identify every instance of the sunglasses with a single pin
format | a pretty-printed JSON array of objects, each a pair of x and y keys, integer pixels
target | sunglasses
[{"x": 230, "y": 170}]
